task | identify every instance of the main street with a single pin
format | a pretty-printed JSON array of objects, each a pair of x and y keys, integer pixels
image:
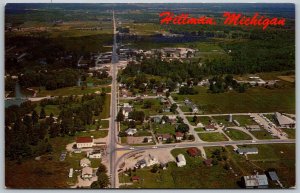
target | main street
[{"x": 113, "y": 109}]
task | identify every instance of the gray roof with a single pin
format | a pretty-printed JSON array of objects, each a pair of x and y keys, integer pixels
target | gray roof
[
  {"x": 283, "y": 120},
  {"x": 256, "y": 180},
  {"x": 247, "y": 150},
  {"x": 273, "y": 176}
]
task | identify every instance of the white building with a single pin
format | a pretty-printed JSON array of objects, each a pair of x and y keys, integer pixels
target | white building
[
  {"x": 84, "y": 142},
  {"x": 95, "y": 154},
  {"x": 284, "y": 121},
  {"x": 71, "y": 173},
  {"x": 87, "y": 173},
  {"x": 85, "y": 162},
  {"x": 151, "y": 160},
  {"x": 131, "y": 131},
  {"x": 181, "y": 160},
  {"x": 244, "y": 151}
]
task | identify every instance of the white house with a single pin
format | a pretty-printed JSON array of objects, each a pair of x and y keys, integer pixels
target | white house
[
  {"x": 151, "y": 161},
  {"x": 131, "y": 131},
  {"x": 181, "y": 160},
  {"x": 87, "y": 173},
  {"x": 84, "y": 142},
  {"x": 96, "y": 154},
  {"x": 179, "y": 136},
  {"x": 126, "y": 111},
  {"x": 85, "y": 162}
]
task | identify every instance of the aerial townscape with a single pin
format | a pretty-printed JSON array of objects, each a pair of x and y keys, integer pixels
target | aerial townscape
[{"x": 104, "y": 96}]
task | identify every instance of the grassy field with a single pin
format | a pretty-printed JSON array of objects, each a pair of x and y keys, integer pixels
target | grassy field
[
  {"x": 199, "y": 129},
  {"x": 212, "y": 137},
  {"x": 237, "y": 135},
  {"x": 205, "y": 120},
  {"x": 163, "y": 128},
  {"x": 291, "y": 133},
  {"x": 76, "y": 90},
  {"x": 263, "y": 134},
  {"x": 244, "y": 120},
  {"x": 253, "y": 100},
  {"x": 106, "y": 108},
  {"x": 223, "y": 120}
]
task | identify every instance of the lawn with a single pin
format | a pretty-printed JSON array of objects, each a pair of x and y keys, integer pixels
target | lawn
[
  {"x": 163, "y": 128},
  {"x": 291, "y": 133},
  {"x": 237, "y": 135},
  {"x": 199, "y": 129},
  {"x": 48, "y": 109},
  {"x": 106, "y": 108},
  {"x": 223, "y": 120},
  {"x": 256, "y": 99},
  {"x": 212, "y": 137},
  {"x": 263, "y": 134},
  {"x": 244, "y": 120},
  {"x": 205, "y": 120}
]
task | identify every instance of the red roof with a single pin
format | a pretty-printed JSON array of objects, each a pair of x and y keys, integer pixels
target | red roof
[
  {"x": 84, "y": 140},
  {"x": 179, "y": 134},
  {"x": 135, "y": 178},
  {"x": 193, "y": 151},
  {"x": 210, "y": 126}
]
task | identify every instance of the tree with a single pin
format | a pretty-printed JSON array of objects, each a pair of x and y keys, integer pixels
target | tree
[
  {"x": 42, "y": 113},
  {"x": 137, "y": 115},
  {"x": 103, "y": 180},
  {"x": 34, "y": 117},
  {"x": 183, "y": 128},
  {"x": 101, "y": 169},
  {"x": 155, "y": 168},
  {"x": 145, "y": 140},
  {"x": 120, "y": 116},
  {"x": 173, "y": 108},
  {"x": 167, "y": 94}
]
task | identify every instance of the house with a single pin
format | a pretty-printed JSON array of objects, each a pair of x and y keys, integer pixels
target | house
[
  {"x": 284, "y": 121},
  {"x": 273, "y": 176},
  {"x": 256, "y": 181},
  {"x": 131, "y": 131},
  {"x": 193, "y": 151},
  {"x": 187, "y": 102},
  {"x": 126, "y": 110},
  {"x": 164, "y": 137},
  {"x": 85, "y": 162},
  {"x": 95, "y": 154},
  {"x": 135, "y": 178},
  {"x": 87, "y": 173},
  {"x": 156, "y": 119},
  {"x": 179, "y": 136},
  {"x": 209, "y": 127},
  {"x": 208, "y": 162},
  {"x": 71, "y": 173},
  {"x": 245, "y": 151},
  {"x": 195, "y": 109},
  {"x": 181, "y": 160},
  {"x": 82, "y": 142},
  {"x": 253, "y": 127}
]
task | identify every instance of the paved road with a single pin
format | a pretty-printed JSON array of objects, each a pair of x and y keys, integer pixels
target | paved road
[
  {"x": 113, "y": 110},
  {"x": 181, "y": 114}
]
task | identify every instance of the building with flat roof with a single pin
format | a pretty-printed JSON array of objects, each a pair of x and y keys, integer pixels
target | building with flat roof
[
  {"x": 256, "y": 181},
  {"x": 245, "y": 151},
  {"x": 181, "y": 160}
]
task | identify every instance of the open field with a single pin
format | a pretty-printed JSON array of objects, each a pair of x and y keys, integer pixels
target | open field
[
  {"x": 263, "y": 134},
  {"x": 212, "y": 137},
  {"x": 205, "y": 120},
  {"x": 76, "y": 90},
  {"x": 291, "y": 133},
  {"x": 163, "y": 128},
  {"x": 244, "y": 120},
  {"x": 223, "y": 120},
  {"x": 237, "y": 135},
  {"x": 253, "y": 100}
]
